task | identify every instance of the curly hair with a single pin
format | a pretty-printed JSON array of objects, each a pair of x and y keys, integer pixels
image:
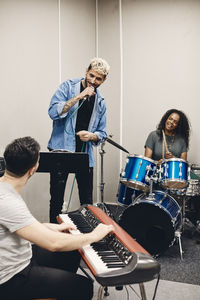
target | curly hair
[{"x": 183, "y": 128}]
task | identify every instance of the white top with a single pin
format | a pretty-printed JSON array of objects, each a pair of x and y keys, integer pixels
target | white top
[{"x": 15, "y": 252}]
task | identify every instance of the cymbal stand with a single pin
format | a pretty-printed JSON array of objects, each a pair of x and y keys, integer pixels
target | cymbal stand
[
  {"x": 180, "y": 229},
  {"x": 178, "y": 236}
]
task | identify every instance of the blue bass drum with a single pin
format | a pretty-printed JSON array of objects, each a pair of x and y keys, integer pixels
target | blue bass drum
[
  {"x": 174, "y": 173},
  {"x": 138, "y": 171},
  {"x": 153, "y": 222}
]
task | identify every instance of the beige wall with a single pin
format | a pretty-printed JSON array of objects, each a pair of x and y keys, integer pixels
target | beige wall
[{"x": 152, "y": 46}]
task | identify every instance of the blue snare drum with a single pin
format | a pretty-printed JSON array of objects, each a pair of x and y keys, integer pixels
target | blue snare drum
[
  {"x": 138, "y": 171},
  {"x": 126, "y": 195},
  {"x": 174, "y": 173},
  {"x": 153, "y": 221}
]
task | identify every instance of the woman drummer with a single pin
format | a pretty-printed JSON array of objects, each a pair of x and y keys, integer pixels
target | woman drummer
[{"x": 171, "y": 139}]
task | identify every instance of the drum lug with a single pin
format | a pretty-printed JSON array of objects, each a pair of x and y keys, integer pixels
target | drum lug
[
  {"x": 180, "y": 172},
  {"x": 166, "y": 167},
  {"x": 173, "y": 221},
  {"x": 138, "y": 169},
  {"x": 189, "y": 169}
]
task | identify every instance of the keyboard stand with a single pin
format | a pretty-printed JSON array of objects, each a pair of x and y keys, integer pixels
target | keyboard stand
[
  {"x": 101, "y": 289},
  {"x": 142, "y": 291}
]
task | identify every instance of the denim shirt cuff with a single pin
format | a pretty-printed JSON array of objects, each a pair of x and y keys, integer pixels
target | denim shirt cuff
[{"x": 60, "y": 108}]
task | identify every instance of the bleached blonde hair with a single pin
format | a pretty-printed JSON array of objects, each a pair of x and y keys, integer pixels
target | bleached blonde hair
[{"x": 99, "y": 65}]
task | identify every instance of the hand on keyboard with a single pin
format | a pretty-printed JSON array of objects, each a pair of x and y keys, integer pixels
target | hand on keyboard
[{"x": 101, "y": 231}]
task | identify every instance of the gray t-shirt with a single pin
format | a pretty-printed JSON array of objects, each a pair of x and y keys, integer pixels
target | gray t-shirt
[
  {"x": 15, "y": 252},
  {"x": 176, "y": 145}
]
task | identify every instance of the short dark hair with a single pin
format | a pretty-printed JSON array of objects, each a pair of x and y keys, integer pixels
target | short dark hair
[
  {"x": 21, "y": 155},
  {"x": 183, "y": 128}
]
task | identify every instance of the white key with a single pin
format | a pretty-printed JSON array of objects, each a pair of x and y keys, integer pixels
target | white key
[{"x": 92, "y": 256}]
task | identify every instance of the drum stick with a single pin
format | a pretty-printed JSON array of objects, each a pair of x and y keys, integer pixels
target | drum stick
[{"x": 165, "y": 142}]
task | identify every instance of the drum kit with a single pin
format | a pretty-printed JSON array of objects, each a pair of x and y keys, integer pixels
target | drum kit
[{"x": 154, "y": 217}]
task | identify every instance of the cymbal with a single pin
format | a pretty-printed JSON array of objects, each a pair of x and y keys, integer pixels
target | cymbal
[{"x": 116, "y": 145}]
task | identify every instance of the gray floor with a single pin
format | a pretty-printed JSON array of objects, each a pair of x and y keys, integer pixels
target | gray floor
[{"x": 167, "y": 290}]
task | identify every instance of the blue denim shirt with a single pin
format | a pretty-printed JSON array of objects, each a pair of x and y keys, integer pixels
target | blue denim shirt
[{"x": 63, "y": 133}]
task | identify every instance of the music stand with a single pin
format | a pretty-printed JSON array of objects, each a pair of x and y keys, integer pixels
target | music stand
[{"x": 63, "y": 161}]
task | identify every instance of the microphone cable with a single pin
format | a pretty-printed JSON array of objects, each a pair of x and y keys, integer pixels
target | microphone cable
[{"x": 68, "y": 119}]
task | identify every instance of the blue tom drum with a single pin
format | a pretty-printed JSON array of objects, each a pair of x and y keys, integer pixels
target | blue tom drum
[
  {"x": 174, "y": 173},
  {"x": 138, "y": 171}
]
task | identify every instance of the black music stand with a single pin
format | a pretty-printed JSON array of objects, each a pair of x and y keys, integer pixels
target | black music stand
[{"x": 63, "y": 161}]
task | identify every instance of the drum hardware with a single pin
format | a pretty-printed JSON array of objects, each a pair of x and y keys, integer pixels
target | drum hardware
[
  {"x": 178, "y": 236},
  {"x": 153, "y": 178},
  {"x": 151, "y": 195},
  {"x": 193, "y": 188}
]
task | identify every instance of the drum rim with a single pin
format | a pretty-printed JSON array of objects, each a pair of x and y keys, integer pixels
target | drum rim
[
  {"x": 158, "y": 191},
  {"x": 177, "y": 180},
  {"x": 134, "y": 181},
  {"x": 141, "y": 156},
  {"x": 175, "y": 159}
]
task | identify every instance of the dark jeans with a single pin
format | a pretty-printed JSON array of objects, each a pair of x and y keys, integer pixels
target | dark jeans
[
  {"x": 49, "y": 275},
  {"x": 58, "y": 181}
]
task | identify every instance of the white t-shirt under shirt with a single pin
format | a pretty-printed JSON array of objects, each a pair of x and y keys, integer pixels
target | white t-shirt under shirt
[{"x": 15, "y": 252}]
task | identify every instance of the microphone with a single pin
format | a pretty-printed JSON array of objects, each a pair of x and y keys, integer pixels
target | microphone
[{"x": 85, "y": 98}]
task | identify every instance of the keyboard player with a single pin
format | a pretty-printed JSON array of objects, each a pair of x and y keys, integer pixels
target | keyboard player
[{"x": 47, "y": 269}]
